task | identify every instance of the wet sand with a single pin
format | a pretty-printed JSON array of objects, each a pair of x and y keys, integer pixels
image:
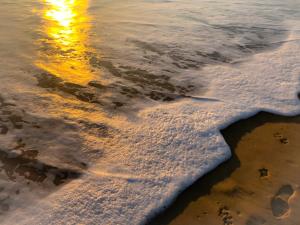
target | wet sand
[{"x": 260, "y": 184}]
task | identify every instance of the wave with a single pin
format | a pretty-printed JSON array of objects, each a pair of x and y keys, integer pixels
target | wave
[{"x": 147, "y": 160}]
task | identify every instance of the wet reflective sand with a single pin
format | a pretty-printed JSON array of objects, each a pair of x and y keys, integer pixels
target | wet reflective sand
[{"x": 64, "y": 45}]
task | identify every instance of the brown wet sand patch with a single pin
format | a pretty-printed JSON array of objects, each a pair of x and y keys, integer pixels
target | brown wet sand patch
[{"x": 258, "y": 185}]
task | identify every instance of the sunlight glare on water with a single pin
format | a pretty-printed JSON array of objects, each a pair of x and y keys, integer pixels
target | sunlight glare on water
[{"x": 64, "y": 43}]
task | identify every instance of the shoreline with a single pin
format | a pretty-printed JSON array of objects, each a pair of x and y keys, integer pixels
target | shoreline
[{"x": 223, "y": 182}]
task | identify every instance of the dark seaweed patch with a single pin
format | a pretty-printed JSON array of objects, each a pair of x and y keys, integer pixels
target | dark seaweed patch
[
  {"x": 138, "y": 77},
  {"x": 47, "y": 80},
  {"x": 21, "y": 161},
  {"x": 135, "y": 83},
  {"x": 96, "y": 85},
  {"x": 50, "y": 81},
  {"x": 140, "y": 83},
  {"x": 26, "y": 165}
]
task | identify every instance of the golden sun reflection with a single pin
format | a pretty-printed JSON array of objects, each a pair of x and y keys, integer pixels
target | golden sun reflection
[{"x": 64, "y": 43}]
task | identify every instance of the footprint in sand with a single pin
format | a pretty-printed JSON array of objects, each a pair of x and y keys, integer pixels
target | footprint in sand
[
  {"x": 281, "y": 138},
  {"x": 280, "y": 202}
]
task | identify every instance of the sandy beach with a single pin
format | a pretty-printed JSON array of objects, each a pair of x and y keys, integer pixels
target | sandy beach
[{"x": 258, "y": 185}]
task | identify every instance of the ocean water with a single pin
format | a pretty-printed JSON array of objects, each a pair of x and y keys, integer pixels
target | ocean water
[{"x": 108, "y": 109}]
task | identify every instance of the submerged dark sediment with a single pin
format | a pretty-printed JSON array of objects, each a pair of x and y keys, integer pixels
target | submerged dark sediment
[{"x": 25, "y": 141}]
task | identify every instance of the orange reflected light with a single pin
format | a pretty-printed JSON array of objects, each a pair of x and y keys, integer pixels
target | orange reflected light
[{"x": 64, "y": 46}]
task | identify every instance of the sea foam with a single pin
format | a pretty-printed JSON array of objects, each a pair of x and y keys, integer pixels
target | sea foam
[{"x": 165, "y": 148}]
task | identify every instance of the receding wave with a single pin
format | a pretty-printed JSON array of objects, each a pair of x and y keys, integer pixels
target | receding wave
[{"x": 109, "y": 109}]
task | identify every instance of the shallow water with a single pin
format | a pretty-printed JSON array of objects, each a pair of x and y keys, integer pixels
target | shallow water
[
  {"x": 149, "y": 50},
  {"x": 125, "y": 98}
]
